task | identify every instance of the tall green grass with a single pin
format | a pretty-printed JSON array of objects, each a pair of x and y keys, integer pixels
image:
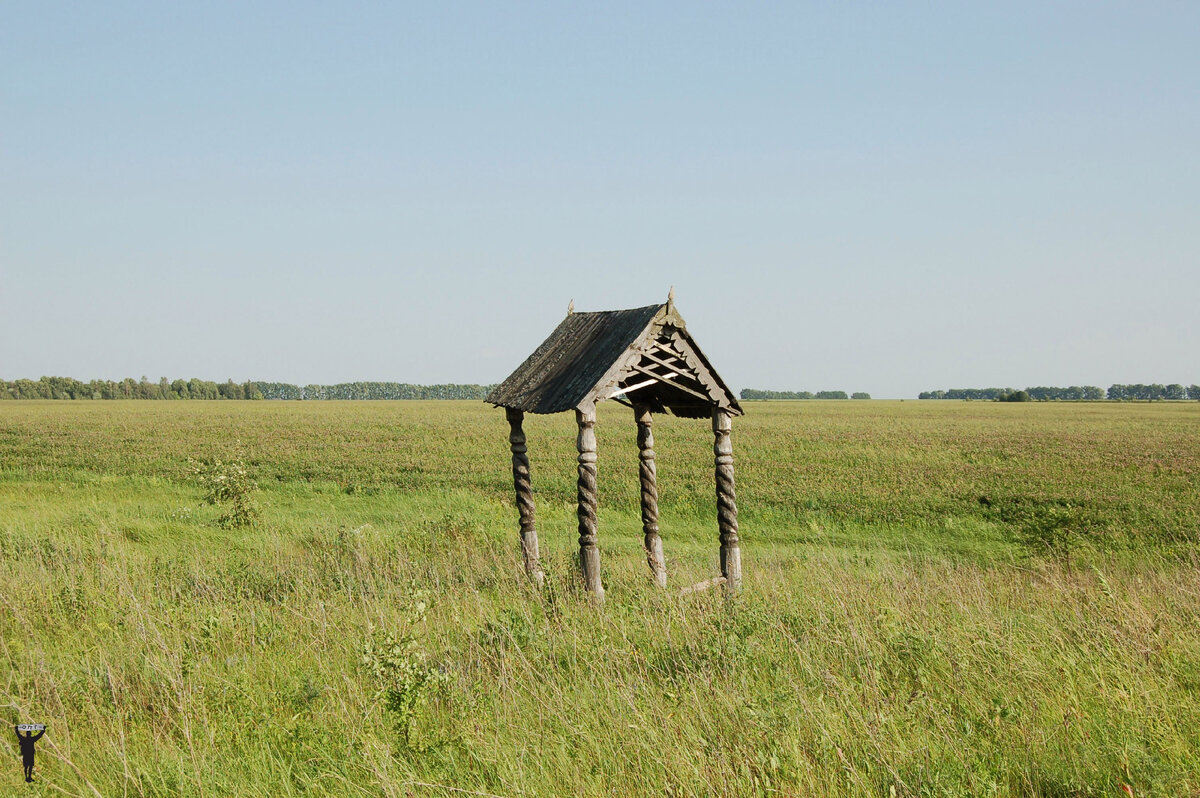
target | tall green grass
[{"x": 894, "y": 634}]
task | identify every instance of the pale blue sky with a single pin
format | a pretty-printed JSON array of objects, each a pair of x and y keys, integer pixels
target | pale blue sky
[{"x": 888, "y": 198}]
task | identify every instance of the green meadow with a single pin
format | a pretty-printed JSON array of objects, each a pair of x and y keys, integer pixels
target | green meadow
[{"x": 940, "y": 599}]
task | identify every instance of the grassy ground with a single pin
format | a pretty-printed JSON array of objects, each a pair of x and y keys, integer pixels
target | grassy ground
[{"x": 941, "y": 598}]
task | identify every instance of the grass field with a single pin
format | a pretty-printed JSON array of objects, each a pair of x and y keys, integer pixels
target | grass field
[{"x": 941, "y": 598}]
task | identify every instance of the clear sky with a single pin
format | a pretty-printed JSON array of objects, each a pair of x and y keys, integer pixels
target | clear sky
[{"x": 878, "y": 197}]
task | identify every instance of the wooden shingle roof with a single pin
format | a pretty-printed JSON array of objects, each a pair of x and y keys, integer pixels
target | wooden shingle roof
[{"x": 643, "y": 354}]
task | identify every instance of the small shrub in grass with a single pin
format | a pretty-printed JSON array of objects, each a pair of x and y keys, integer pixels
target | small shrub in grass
[
  {"x": 404, "y": 680},
  {"x": 229, "y": 483}
]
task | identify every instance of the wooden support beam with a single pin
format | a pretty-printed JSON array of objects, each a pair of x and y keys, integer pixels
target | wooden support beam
[
  {"x": 666, "y": 348},
  {"x": 589, "y": 555},
  {"x": 697, "y": 366},
  {"x": 630, "y": 389},
  {"x": 523, "y": 486},
  {"x": 668, "y": 381},
  {"x": 649, "y": 479},
  {"x": 666, "y": 371},
  {"x": 682, "y": 367},
  {"x": 731, "y": 555}
]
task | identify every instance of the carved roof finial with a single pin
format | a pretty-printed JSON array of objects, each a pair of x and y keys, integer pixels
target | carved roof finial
[
  {"x": 671, "y": 296},
  {"x": 570, "y": 307}
]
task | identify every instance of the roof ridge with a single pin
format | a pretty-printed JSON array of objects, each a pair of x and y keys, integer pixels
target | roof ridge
[{"x": 618, "y": 310}]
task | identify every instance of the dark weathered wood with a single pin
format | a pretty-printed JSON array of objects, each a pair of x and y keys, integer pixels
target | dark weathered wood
[
  {"x": 621, "y": 367},
  {"x": 589, "y": 555},
  {"x": 581, "y": 357},
  {"x": 731, "y": 556},
  {"x": 523, "y": 486},
  {"x": 649, "y": 478},
  {"x": 701, "y": 586}
]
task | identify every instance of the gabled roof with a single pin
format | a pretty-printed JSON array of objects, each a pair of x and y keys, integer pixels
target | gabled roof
[{"x": 643, "y": 354}]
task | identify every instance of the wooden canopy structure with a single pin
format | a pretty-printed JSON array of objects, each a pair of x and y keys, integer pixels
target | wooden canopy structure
[{"x": 643, "y": 358}]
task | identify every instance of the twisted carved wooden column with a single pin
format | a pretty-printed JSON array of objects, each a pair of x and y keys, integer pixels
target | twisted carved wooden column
[
  {"x": 524, "y": 489},
  {"x": 589, "y": 555},
  {"x": 649, "y": 478},
  {"x": 731, "y": 555}
]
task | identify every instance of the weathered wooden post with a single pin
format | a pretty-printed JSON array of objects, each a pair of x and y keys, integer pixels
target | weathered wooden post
[
  {"x": 524, "y": 490},
  {"x": 649, "y": 478},
  {"x": 589, "y": 555},
  {"x": 731, "y": 555}
]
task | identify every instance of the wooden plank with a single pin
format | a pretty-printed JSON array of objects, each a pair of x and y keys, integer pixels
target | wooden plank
[
  {"x": 666, "y": 348},
  {"x": 701, "y": 586},
  {"x": 717, "y": 393},
  {"x": 693, "y": 355},
  {"x": 665, "y": 372},
  {"x": 666, "y": 381},
  {"x": 676, "y": 370},
  {"x": 631, "y": 388},
  {"x": 622, "y": 364},
  {"x": 670, "y": 354}
]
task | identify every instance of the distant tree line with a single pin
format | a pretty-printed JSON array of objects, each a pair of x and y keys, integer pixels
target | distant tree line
[
  {"x": 1044, "y": 393},
  {"x": 1156, "y": 391},
  {"x": 753, "y": 393},
  {"x": 129, "y": 388},
  {"x": 373, "y": 390},
  {"x": 1040, "y": 393}
]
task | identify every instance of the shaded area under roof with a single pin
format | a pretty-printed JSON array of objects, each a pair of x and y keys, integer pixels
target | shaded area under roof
[{"x": 566, "y": 367}]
